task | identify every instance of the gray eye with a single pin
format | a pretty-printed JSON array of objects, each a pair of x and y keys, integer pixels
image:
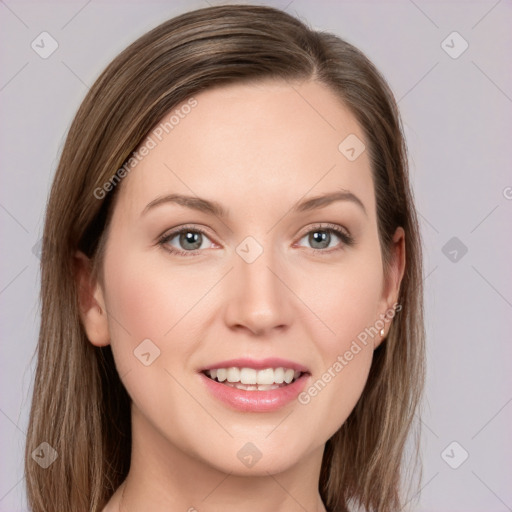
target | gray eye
[{"x": 321, "y": 238}]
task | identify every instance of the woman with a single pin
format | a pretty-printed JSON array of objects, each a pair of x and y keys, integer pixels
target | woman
[{"x": 277, "y": 362}]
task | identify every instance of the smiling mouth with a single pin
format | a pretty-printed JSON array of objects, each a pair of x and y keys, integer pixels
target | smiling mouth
[{"x": 250, "y": 379}]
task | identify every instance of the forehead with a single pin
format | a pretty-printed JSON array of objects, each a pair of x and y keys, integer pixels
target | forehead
[{"x": 270, "y": 141}]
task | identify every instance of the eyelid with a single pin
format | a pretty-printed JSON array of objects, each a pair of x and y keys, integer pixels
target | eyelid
[
  {"x": 178, "y": 229},
  {"x": 325, "y": 226}
]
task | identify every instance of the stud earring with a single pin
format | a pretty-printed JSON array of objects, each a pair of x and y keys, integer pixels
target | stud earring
[{"x": 382, "y": 332}]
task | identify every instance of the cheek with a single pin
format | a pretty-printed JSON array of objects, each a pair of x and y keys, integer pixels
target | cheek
[
  {"x": 150, "y": 298},
  {"x": 139, "y": 301},
  {"x": 346, "y": 303},
  {"x": 143, "y": 303},
  {"x": 344, "y": 300},
  {"x": 334, "y": 392},
  {"x": 147, "y": 303},
  {"x": 346, "y": 352}
]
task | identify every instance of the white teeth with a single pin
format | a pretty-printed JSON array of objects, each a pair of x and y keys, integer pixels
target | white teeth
[
  {"x": 267, "y": 387},
  {"x": 260, "y": 387},
  {"x": 233, "y": 375},
  {"x": 279, "y": 375},
  {"x": 288, "y": 375},
  {"x": 249, "y": 378},
  {"x": 265, "y": 376}
]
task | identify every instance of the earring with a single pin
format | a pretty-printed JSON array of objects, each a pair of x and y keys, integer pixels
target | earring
[{"x": 382, "y": 332}]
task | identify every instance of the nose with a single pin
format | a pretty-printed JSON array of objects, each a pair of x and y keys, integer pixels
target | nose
[{"x": 259, "y": 298}]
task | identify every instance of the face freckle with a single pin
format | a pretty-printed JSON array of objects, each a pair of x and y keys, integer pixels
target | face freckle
[{"x": 251, "y": 290}]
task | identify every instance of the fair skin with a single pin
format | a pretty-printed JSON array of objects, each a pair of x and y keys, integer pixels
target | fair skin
[{"x": 257, "y": 150}]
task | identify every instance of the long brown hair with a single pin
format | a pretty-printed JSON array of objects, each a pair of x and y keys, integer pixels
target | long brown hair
[{"x": 79, "y": 406}]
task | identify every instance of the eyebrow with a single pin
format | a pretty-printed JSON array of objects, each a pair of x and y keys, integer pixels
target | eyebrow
[{"x": 215, "y": 208}]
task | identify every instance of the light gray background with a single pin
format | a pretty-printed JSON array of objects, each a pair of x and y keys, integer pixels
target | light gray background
[{"x": 457, "y": 115}]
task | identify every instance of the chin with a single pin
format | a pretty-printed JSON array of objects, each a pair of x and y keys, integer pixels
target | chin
[{"x": 255, "y": 455}]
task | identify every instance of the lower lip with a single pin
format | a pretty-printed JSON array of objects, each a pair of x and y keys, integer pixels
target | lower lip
[{"x": 255, "y": 401}]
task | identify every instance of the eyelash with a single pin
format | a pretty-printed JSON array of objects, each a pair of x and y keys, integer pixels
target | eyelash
[{"x": 345, "y": 237}]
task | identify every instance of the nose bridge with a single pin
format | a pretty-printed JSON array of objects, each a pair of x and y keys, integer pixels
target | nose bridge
[{"x": 261, "y": 300}]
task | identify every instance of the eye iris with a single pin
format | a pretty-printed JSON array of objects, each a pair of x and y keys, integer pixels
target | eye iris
[
  {"x": 320, "y": 237},
  {"x": 191, "y": 237}
]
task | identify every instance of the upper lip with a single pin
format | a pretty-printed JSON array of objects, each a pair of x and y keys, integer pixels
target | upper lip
[{"x": 257, "y": 364}]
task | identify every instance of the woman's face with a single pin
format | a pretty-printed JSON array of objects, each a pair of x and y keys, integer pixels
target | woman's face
[{"x": 268, "y": 281}]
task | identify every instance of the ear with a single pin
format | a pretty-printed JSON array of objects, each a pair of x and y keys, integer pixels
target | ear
[
  {"x": 93, "y": 312},
  {"x": 391, "y": 287}
]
